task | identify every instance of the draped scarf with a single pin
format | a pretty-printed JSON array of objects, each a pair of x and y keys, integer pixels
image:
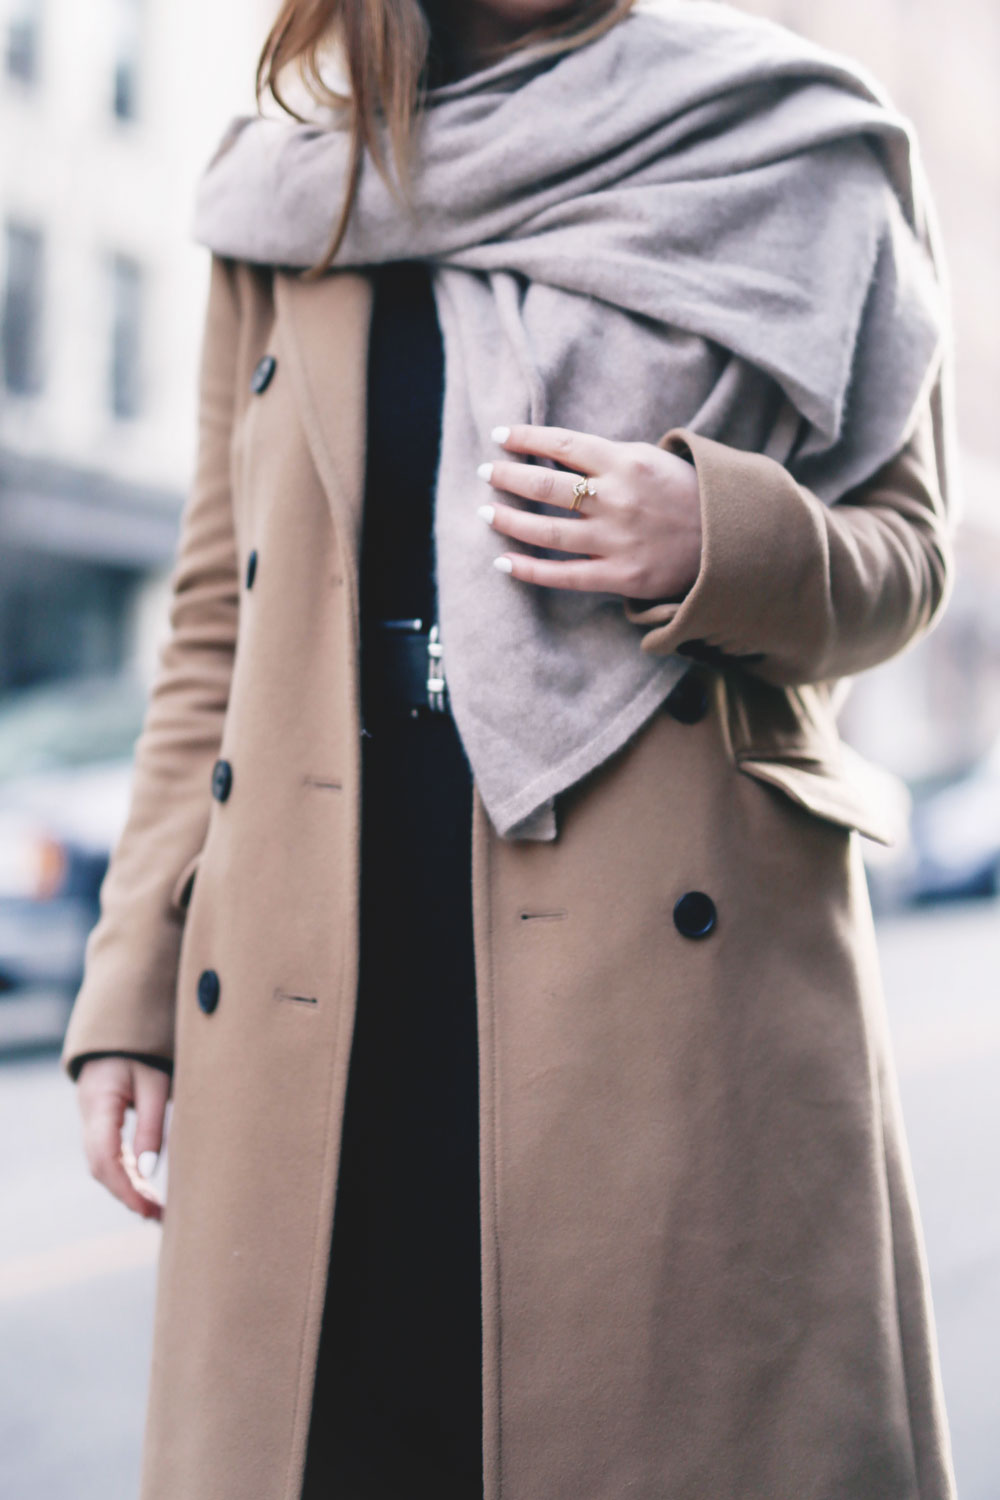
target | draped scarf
[{"x": 696, "y": 220}]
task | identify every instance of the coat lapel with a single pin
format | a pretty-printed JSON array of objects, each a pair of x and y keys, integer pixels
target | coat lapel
[{"x": 326, "y": 326}]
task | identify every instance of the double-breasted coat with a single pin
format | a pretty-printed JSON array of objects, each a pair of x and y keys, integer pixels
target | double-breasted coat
[{"x": 702, "y": 1272}]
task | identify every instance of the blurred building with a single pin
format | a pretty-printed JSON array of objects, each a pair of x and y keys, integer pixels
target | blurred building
[
  {"x": 107, "y": 111},
  {"x": 936, "y": 708}
]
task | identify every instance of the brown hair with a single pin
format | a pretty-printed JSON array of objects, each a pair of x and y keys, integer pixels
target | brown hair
[{"x": 386, "y": 45}]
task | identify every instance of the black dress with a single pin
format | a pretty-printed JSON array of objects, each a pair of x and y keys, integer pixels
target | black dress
[{"x": 397, "y": 1404}]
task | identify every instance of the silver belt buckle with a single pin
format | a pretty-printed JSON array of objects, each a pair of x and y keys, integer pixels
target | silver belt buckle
[{"x": 435, "y": 670}]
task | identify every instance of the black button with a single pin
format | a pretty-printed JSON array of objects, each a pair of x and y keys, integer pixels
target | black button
[
  {"x": 694, "y": 914},
  {"x": 251, "y": 568},
  {"x": 261, "y": 377},
  {"x": 208, "y": 990},
  {"x": 222, "y": 780},
  {"x": 689, "y": 700}
]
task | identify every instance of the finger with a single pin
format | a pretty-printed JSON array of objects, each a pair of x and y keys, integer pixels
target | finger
[
  {"x": 550, "y": 486},
  {"x": 595, "y": 576},
  {"x": 152, "y": 1088},
  {"x": 136, "y": 1179},
  {"x": 542, "y": 531},
  {"x": 103, "y": 1147},
  {"x": 577, "y": 450}
]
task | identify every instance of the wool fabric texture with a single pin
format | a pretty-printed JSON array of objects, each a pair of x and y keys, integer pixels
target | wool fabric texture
[{"x": 696, "y": 220}]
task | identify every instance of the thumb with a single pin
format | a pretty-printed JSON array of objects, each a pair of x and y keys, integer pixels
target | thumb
[{"x": 151, "y": 1089}]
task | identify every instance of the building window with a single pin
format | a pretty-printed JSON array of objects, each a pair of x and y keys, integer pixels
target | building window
[
  {"x": 126, "y": 336},
  {"x": 22, "y": 310},
  {"x": 127, "y": 58},
  {"x": 24, "y": 28}
]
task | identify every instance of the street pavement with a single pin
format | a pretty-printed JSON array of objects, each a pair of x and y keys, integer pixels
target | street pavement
[
  {"x": 942, "y": 979},
  {"x": 77, "y": 1270}
]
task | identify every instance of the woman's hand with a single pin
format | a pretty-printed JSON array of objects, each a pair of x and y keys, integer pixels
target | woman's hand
[
  {"x": 638, "y": 532},
  {"x": 106, "y": 1088}
]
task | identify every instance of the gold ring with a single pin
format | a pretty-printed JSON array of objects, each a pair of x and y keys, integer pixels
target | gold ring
[{"x": 583, "y": 486}]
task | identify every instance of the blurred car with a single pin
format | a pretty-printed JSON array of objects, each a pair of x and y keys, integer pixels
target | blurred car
[
  {"x": 65, "y": 774},
  {"x": 956, "y": 837}
]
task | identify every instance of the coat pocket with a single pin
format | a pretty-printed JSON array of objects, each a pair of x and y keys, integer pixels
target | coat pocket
[
  {"x": 180, "y": 895},
  {"x": 788, "y": 738}
]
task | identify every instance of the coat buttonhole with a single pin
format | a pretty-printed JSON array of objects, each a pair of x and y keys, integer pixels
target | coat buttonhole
[
  {"x": 323, "y": 783},
  {"x": 543, "y": 916},
  {"x": 280, "y": 994}
]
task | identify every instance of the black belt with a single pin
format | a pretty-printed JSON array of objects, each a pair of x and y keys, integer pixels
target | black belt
[{"x": 402, "y": 669}]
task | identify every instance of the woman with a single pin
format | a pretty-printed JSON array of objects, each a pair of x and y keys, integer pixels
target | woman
[{"x": 693, "y": 337}]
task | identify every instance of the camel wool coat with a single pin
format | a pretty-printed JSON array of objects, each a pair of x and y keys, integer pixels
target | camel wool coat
[{"x": 703, "y": 1275}]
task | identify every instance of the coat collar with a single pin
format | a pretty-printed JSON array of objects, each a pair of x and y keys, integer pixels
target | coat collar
[{"x": 327, "y": 325}]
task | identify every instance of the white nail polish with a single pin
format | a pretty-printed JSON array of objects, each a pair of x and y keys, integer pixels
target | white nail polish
[
  {"x": 486, "y": 511},
  {"x": 484, "y": 471},
  {"x": 504, "y": 564},
  {"x": 147, "y": 1162},
  {"x": 500, "y": 434}
]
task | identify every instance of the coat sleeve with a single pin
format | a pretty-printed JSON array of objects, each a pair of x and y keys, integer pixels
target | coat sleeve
[
  {"x": 126, "y": 999},
  {"x": 795, "y": 590}
]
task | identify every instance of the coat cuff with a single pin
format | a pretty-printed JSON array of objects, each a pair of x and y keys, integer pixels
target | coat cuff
[
  {"x": 756, "y": 537},
  {"x": 165, "y": 1064},
  {"x": 124, "y": 1006}
]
